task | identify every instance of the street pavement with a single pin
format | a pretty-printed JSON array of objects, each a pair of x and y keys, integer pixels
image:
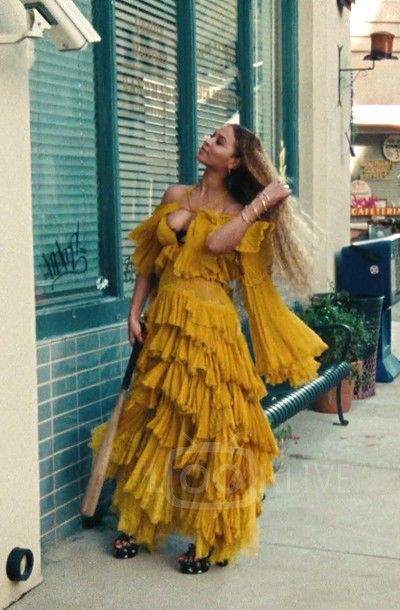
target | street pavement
[{"x": 329, "y": 535}]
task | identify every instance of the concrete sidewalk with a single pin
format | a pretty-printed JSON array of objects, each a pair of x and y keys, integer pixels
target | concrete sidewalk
[{"x": 329, "y": 540}]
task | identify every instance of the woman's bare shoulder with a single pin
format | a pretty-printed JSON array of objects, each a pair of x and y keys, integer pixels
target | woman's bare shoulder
[{"x": 175, "y": 193}]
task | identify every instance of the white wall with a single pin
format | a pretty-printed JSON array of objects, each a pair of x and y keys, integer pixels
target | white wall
[
  {"x": 381, "y": 85},
  {"x": 19, "y": 475},
  {"x": 324, "y": 156}
]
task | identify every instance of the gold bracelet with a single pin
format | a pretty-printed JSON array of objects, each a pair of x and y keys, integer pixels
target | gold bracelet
[
  {"x": 254, "y": 209},
  {"x": 260, "y": 197},
  {"x": 244, "y": 216},
  {"x": 268, "y": 198}
]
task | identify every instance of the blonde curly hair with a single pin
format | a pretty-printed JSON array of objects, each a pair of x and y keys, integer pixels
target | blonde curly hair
[{"x": 295, "y": 235}]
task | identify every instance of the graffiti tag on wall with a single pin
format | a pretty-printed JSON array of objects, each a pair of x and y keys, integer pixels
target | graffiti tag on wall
[{"x": 65, "y": 260}]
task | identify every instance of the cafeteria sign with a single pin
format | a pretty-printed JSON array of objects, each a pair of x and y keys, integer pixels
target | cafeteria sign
[{"x": 388, "y": 211}]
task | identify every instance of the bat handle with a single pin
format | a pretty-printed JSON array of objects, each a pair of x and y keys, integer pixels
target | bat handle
[{"x": 137, "y": 346}]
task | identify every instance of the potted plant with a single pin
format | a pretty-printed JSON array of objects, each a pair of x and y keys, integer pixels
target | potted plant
[{"x": 325, "y": 310}]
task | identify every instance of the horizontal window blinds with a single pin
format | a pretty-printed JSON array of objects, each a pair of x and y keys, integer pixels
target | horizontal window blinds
[
  {"x": 217, "y": 73},
  {"x": 146, "y": 56},
  {"x": 64, "y": 173}
]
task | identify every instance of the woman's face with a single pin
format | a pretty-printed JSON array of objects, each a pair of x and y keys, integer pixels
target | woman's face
[{"x": 218, "y": 150}]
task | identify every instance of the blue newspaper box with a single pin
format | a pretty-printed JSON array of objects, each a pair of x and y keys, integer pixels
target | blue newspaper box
[{"x": 372, "y": 268}]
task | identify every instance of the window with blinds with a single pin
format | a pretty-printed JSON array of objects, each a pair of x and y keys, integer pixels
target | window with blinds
[
  {"x": 217, "y": 72},
  {"x": 64, "y": 174},
  {"x": 266, "y": 80},
  {"x": 146, "y": 56}
]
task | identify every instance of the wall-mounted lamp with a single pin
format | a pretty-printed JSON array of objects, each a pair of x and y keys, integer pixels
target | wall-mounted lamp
[{"x": 381, "y": 48}]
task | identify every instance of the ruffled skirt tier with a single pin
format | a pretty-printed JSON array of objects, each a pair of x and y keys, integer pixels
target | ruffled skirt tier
[{"x": 194, "y": 451}]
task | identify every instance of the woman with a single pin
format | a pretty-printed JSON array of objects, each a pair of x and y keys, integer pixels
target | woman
[{"x": 194, "y": 451}]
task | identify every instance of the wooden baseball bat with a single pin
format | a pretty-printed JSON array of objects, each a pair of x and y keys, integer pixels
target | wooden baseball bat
[{"x": 97, "y": 476}]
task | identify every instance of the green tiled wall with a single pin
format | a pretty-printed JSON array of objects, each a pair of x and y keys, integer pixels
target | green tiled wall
[{"x": 78, "y": 381}]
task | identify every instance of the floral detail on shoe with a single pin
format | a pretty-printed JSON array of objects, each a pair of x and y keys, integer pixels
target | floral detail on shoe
[
  {"x": 125, "y": 547},
  {"x": 190, "y": 565}
]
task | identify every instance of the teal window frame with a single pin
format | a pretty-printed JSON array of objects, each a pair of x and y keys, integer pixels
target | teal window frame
[
  {"x": 290, "y": 88},
  {"x": 245, "y": 62},
  {"x": 187, "y": 122},
  {"x": 187, "y": 90},
  {"x": 113, "y": 308}
]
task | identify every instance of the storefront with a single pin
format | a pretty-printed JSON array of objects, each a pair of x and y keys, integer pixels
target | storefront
[
  {"x": 112, "y": 128},
  {"x": 375, "y": 205},
  {"x": 375, "y": 201},
  {"x": 130, "y": 115},
  {"x": 99, "y": 135}
]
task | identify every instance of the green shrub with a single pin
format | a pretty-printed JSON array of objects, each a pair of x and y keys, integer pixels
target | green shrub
[{"x": 337, "y": 308}]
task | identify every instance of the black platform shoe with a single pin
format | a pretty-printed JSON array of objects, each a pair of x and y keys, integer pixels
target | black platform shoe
[
  {"x": 125, "y": 547},
  {"x": 220, "y": 564},
  {"x": 189, "y": 565}
]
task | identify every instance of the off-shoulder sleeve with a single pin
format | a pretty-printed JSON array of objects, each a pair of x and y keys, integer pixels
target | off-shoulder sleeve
[
  {"x": 284, "y": 347},
  {"x": 256, "y": 234},
  {"x": 148, "y": 246}
]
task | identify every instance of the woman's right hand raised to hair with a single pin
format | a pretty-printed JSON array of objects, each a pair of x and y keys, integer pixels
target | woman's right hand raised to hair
[
  {"x": 272, "y": 195},
  {"x": 275, "y": 193}
]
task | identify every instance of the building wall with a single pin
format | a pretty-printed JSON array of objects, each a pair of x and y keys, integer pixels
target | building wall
[
  {"x": 79, "y": 377},
  {"x": 381, "y": 85},
  {"x": 323, "y": 148},
  {"x": 19, "y": 480}
]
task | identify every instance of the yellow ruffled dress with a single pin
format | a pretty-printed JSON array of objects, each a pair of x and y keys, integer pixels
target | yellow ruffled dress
[{"x": 194, "y": 450}]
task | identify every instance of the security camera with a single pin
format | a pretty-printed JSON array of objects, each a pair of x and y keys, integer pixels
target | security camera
[
  {"x": 67, "y": 28},
  {"x": 70, "y": 30}
]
